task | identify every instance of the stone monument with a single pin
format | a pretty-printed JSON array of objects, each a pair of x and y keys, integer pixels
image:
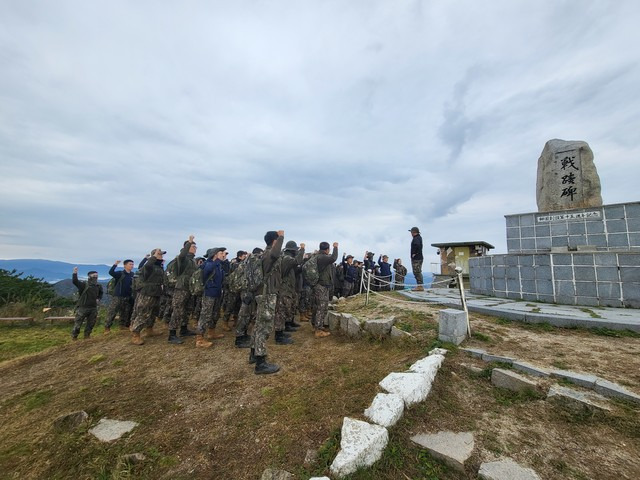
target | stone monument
[
  {"x": 567, "y": 177},
  {"x": 574, "y": 250}
]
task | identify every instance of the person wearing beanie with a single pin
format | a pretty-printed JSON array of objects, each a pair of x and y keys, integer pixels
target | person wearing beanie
[
  {"x": 147, "y": 302},
  {"x": 90, "y": 295},
  {"x": 266, "y": 302},
  {"x": 286, "y": 304},
  {"x": 248, "y": 306},
  {"x": 323, "y": 288}
]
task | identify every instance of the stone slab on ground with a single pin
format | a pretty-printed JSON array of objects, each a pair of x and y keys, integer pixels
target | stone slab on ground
[
  {"x": 412, "y": 387},
  {"x": 610, "y": 389},
  {"x": 134, "y": 458},
  {"x": 474, "y": 352},
  {"x": 319, "y": 478},
  {"x": 506, "y": 469},
  {"x": 576, "y": 401},
  {"x": 511, "y": 380},
  {"x": 487, "y": 357},
  {"x": 16, "y": 321},
  {"x": 386, "y": 409},
  {"x": 530, "y": 369},
  {"x": 275, "y": 474},
  {"x": 361, "y": 445},
  {"x": 438, "y": 351},
  {"x": 108, "y": 430},
  {"x": 63, "y": 320},
  {"x": 454, "y": 449},
  {"x": 380, "y": 327},
  {"x": 583, "y": 379},
  {"x": 398, "y": 333},
  {"x": 71, "y": 421},
  {"x": 428, "y": 366}
]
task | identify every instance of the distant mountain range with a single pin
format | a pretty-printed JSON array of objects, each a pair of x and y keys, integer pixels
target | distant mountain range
[{"x": 52, "y": 271}]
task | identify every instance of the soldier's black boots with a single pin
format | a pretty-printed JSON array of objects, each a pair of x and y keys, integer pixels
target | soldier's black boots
[
  {"x": 243, "y": 341},
  {"x": 263, "y": 367},
  {"x": 282, "y": 339},
  {"x": 289, "y": 328},
  {"x": 185, "y": 332},
  {"x": 294, "y": 324},
  {"x": 252, "y": 356},
  {"x": 174, "y": 339}
]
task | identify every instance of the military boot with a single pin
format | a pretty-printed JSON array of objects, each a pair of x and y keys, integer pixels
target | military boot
[
  {"x": 148, "y": 331},
  {"x": 289, "y": 328},
  {"x": 281, "y": 339},
  {"x": 294, "y": 324},
  {"x": 225, "y": 326},
  {"x": 252, "y": 356},
  {"x": 136, "y": 339},
  {"x": 212, "y": 335},
  {"x": 185, "y": 332},
  {"x": 202, "y": 343},
  {"x": 243, "y": 341},
  {"x": 263, "y": 367},
  {"x": 174, "y": 339}
]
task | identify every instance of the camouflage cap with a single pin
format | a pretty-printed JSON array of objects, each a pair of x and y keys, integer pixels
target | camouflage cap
[{"x": 291, "y": 246}]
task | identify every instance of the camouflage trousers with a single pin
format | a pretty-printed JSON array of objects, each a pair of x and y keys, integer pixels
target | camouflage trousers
[
  {"x": 209, "y": 314},
  {"x": 399, "y": 283},
  {"x": 264, "y": 322},
  {"x": 179, "y": 305},
  {"x": 165, "y": 305},
  {"x": 320, "y": 306},
  {"x": 119, "y": 306},
  {"x": 90, "y": 314},
  {"x": 285, "y": 310},
  {"x": 197, "y": 306},
  {"x": 231, "y": 305},
  {"x": 304, "y": 303},
  {"x": 416, "y": 266},
  {"x": 246, "y": 315},
  {"x": 145, "y": 311}
]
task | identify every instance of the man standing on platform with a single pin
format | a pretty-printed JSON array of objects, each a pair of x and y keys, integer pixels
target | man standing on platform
[{"x": 417, "y": 258}]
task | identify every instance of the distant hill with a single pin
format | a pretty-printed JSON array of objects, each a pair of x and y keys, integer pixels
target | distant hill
[{"x": 52, "y": 271}]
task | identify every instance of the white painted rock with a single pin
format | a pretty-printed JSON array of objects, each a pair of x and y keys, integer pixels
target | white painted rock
[
  {"x": 452, "y": 448},
  {"x": 438, "y": 351},
  {"x": 386, "y": 409},
  {"x": 428, "y": 366},
  {"x": 412, "y": 387},
  {"x": 361, "y": 445},
  {"x": 319, "y": 478},
  {"x": 108, "y": 430},
  {"x": 506, "y": 469}
]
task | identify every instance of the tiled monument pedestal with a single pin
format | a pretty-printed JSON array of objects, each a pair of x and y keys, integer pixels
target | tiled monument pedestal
[{"x": 588, "y": 256}]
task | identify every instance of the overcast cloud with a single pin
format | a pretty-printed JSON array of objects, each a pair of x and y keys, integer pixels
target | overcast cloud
[{"x": 129, "y": 125}]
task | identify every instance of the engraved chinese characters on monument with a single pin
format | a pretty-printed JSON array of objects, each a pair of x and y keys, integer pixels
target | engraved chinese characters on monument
[{"x": 567, "y": 177}]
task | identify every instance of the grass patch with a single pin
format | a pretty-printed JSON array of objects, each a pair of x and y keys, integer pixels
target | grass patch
[
  {"x": 107, "y": 381},
  {"x": 97, "y": 358},
  {"x": 607, "y": 332},
  {"x": 560, "y": 364},
  {"x": 591, "y": 313},
  {"x": 18, "y": 341},
  {"x": 481, "y": 336},
  {"x": 507, "y": 398},
  {"x": 37, "y": 399}
]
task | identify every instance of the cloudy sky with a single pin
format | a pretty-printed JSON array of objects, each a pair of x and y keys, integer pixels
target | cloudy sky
[{"x": 129, "y": 125}]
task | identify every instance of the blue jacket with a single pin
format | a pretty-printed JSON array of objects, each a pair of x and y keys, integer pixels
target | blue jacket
[
  {"x": 124, "y": 282},
  {"x": 213, "y": 287},
  {"x": 385, "y": 268}
]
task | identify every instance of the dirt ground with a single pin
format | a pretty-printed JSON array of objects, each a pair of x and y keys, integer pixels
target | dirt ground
[{"x": 204, "y": 414}]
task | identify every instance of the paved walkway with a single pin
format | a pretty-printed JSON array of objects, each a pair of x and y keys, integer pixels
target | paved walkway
[{"x": 535, "y": 312}]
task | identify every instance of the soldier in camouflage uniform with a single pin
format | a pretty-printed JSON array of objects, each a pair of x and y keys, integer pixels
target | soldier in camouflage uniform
[
  {"x": 247, "y": 312},
  {"x": 232, "y": 299},
  {"x": 285, "y": 307},
  {"x": 186, "y": 265},
  {"x": 147, "y": 302},
  {"x": 324, "y": 288},
  {"x": 90, "y": 296},
  {"x": 267, "y": 302}
]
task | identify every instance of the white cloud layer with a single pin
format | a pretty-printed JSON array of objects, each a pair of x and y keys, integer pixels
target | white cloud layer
[{"x": 129, "y": 125}]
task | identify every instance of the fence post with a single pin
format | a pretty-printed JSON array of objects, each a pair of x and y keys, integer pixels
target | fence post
[
  {"x": 463, "y": 299},
  {"x": 368, "y": 288}
]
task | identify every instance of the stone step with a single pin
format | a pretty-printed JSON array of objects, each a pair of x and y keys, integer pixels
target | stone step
[
  {"x": 506, "y": 469},
  {"x": 576, "y": 401},
  {"x": 511, "y": 380},
  {"x": 454, "y": 449}
]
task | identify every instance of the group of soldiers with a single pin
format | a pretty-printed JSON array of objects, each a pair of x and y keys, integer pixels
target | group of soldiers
[{"x": 261, "y": 292}]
